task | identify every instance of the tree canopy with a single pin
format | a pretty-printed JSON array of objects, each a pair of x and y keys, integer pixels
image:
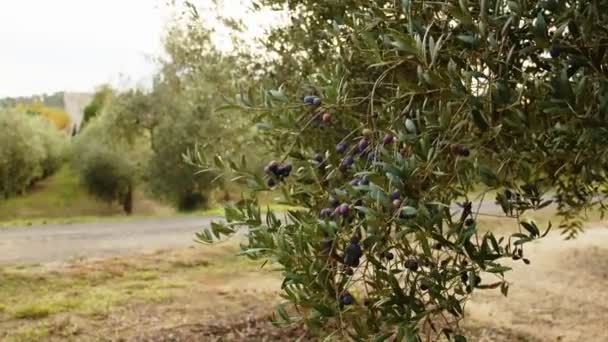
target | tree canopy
[{"x": 387, "y": 118}]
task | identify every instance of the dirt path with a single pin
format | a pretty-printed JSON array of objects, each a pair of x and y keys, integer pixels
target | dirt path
[
  {"x": 560, "y": 296},
  {"x": 60, "y": 242}
]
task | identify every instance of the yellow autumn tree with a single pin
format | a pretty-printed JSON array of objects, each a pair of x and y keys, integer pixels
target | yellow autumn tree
[{"x": 57, "y": 116}]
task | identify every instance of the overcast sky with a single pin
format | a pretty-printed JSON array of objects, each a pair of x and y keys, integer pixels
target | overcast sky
[
  {"x": 76, "y": 45},
  {"x": 48, "y": 46}
]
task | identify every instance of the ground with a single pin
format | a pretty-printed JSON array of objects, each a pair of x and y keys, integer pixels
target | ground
[
  {"x": 145, "y": 279},
  {"x": 62, "y": 197},
  {"x": 206, "y": 293}
]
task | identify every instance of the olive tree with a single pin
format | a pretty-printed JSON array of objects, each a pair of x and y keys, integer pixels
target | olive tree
[
  {"x": 21, "y": 153},
  {"x": 31, "y": 148},
  {"x": 53, "y": 141},
  {"x": 386, "y": 146},
  {"x": 193, "y": 80},
  {"x": 107, "y": 166}
]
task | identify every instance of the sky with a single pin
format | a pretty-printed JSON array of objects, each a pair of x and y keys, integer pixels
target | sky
[{"x": 76, "y": 45}]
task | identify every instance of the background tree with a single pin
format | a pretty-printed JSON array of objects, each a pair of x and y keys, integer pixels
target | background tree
[
  {"x": 447, "y": 95},
  {"x": 108, "y": 157},
  {"x": 96, "y": 105},
  {"x": 57, "y": 116},
  {"x": 31, "y": 148}
]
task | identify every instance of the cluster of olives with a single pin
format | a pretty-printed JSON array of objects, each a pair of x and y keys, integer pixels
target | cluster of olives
[
  {"x": 363, "y": 149},
  {"x": 321, "y": 116},
  {"x": 312, "y": 100},
  {"x": 276, "y": 171},
  {"x": 352, "y": 252}
]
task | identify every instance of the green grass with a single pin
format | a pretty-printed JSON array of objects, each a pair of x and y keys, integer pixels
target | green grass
[
  {"x": 61, "y": 199},
  {"x": 59, "y": 196}
]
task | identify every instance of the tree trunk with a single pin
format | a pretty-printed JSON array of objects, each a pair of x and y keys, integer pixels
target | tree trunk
[{"x": 127, "y": 203}]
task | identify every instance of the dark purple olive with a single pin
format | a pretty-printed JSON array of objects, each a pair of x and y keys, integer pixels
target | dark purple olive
[
  {"x": 318, "y": 158},
  {"x": 388, "y": 139},
  {"x": 272, "y": 167},
  {"x": 284, "y": 170},
  {"x": 460, "y": 150},
  {"x": 347, "y": 299},
  {"x": 341, "y": 147},
  {"x": 343, "y": 209},
  {"x": 347, "y": 162},
  {"x": 271, "y": 182},
  {"x": 394, "y": 195},
  {"x": 371, "y": 157},
  {"x": 411, "y": 264},
  {"x": 325, "y": 212},
  {"x": 309, "y": 99},
  {"x": 352, "y": 254},
  {"x": 363, "y": 144}
]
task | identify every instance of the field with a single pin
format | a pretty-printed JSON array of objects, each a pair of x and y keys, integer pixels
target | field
[
  {"x": 207, "y": 292},
  {"x": 201, "y": 292},
  {"x": 62, "y": 198}
]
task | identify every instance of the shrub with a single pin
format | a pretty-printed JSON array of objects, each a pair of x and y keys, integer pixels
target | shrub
[
  {"x": 106, "y": 173},
  {"x": 105, "y": 169},
  {"x": 54, "y": 143},
  {"x": 23, "y": 153}
]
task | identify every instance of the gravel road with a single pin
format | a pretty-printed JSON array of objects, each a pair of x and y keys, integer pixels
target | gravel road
[{"x": 60, "y": 242}]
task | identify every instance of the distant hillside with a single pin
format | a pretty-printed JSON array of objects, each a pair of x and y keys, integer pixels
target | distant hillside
[
  {"x": 49, "y": 100},
  {"x": 72, "y": 103}
]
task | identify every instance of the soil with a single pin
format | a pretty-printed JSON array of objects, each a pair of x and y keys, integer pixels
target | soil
[{"x": 560, "y": 296}]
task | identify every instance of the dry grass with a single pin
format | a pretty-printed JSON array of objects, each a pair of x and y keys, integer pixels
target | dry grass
[{"x": 93, "y": 293}]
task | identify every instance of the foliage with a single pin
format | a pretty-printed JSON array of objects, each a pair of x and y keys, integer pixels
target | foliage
[
  {"x": 178, "y": 115},
  {"x": 106, "y": 174},
  {"x": 104, "y": 168},
  {"x": 57, "y": 116},
  {"x": 96, "y": 105},
  {"x": 54, "y": 143},
  {"x": 54, "y": 100},
  {"x": 431, "y": 99},
  {"x": 168, "y": 175},
  {"x": 30, "y": 149}
]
